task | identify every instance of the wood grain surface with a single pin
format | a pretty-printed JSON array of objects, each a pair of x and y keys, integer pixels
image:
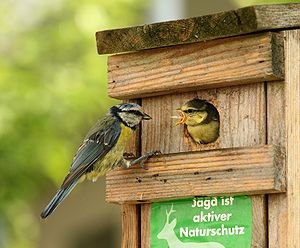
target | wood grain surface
[
  {"x": 284, "y": 128},
  {"x": 225, "y": 24},
  {"x": 292, "y": 49},
  {"x": 219, "y": 172},
  {"x": 231, "y": 61},
  {"x": 130, "y": 214},
  {"x": 277, "y": 212},
  {"x": 243, "y": 120},
  {"x": 145, "y": 225}
]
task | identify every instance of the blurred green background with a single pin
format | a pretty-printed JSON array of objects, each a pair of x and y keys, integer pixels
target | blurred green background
[{"x": 52, "y": 89}]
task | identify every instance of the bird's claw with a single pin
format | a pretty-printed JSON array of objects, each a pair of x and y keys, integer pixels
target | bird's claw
[
  {"x": 141, "y": 160},
  {"x": 148, "y": 155}
]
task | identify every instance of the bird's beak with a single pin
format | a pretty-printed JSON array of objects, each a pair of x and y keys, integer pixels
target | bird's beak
[
  {"x": 182, "y": 117},
  {"x": 146, "y": 117}
]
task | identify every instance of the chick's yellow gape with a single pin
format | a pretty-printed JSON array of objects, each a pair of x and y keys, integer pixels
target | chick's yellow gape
[{"x": 102, "y": 149}]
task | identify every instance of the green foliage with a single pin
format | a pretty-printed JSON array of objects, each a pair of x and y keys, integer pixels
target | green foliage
[{"x": 52, "y": 88}]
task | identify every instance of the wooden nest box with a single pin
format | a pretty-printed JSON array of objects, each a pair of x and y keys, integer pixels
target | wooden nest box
[{"x": 247, "y": 64}]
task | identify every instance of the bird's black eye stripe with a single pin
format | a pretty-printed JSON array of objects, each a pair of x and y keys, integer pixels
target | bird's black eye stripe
[
  {"x": 136, "y": 112},
  {"x": 190, "y": 111}
]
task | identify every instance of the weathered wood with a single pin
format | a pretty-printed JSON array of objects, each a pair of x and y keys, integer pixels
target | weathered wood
[
  {"x": 227, "y": 171},
  {"x": 259, "y": 222},
  {"x": 293, "y": 135},
  {"x": 242, "y": 114},
  {"x": 130, "y": 226},
  {"x": 231, "y": 23},
  {"x": 292, "y": 78},
  {"x": 145, "y": 225},
  {"x": 243, "y": 123},
  {"x": 231, "y": 61},
  {"x": 284, "y": 210},
  {"x": 277, "y": 204}
]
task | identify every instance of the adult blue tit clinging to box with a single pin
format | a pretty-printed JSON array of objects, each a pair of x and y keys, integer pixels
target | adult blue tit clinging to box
[
  {"x": 102, "y": 149},
  {"x": 201, "y": 119}
]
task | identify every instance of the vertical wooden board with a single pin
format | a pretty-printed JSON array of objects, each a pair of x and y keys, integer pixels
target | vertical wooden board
[
  {"x": 283, "y": 129},
  {"x": 145, "y": 225},
  {"x": 242, "y": 115},
  {"x": 259, "y": 222},
  {"x": 293, "y": 135},
  {"x": 130, "y": 226},
  {"x": 277, "y": 203},
  {"x": 292, "y": 93},
  {"x": 242, "y": 112},
  {"x": 278, "y": 221},
  {"x": 162, "y": 133},
  {"x": 244, "y": 124}
]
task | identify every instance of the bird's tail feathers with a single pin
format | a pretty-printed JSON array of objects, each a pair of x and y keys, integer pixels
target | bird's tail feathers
[{"x": 57, "y": 199}]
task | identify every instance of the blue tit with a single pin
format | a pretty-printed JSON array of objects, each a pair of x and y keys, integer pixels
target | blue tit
[
  {"x": 201, "y": 119},
  {"x": 102, "y": 149}
]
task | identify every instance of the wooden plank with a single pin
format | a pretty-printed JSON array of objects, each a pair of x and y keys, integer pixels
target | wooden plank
[
  {"x": 275, "y": 16},
  {"x": 231, "y": 61},
  {"x": 277, "y": 204},
  {"x": 130, "y": 226},
  {"x": 241, "y": 109},
  {"x": 284, "y": 210},
  {"x": 250, "y": 170},
  {"x": 145, "y": 225},
  {"x": 225, "y": 24},
  {"x": 259, "y": 222},
  {"x": 242, "y": 112},
  {"x": 293, "y": 135}
]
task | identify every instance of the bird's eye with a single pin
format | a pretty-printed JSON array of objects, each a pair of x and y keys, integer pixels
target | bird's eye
[
  {"x": 136, "y": 112},
  {"x": 190, "y": 111}
]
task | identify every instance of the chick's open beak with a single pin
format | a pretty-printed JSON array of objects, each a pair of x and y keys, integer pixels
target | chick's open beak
[
  {"x": 146, "y": 117},
  {"x": 182, "y": 117}
]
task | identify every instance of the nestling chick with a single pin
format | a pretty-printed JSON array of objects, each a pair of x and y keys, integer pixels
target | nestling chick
[
  {"x": 202, "y": 120},
  {"x": 102, "y": 149}
]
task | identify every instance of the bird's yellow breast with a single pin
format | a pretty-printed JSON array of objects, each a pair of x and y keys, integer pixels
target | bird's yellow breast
[
  {"x": 205, "y": 133},
  {"x": 113, "y": 157},
  {"x": 125, "y": 135}
]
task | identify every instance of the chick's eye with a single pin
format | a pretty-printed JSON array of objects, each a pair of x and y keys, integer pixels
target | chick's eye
[{"x": 190, "y": 111}]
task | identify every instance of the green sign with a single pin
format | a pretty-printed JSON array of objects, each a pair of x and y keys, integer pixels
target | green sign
[{"x": 206, "y": 222}]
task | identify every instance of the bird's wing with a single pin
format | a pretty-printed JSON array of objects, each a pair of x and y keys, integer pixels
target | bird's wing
[{"x": 96, "y": 145}]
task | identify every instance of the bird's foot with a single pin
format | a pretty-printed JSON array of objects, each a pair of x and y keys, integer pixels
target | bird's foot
[
  {"x": 141, "y": 160},
  {"x": 146, "y": 156}
]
